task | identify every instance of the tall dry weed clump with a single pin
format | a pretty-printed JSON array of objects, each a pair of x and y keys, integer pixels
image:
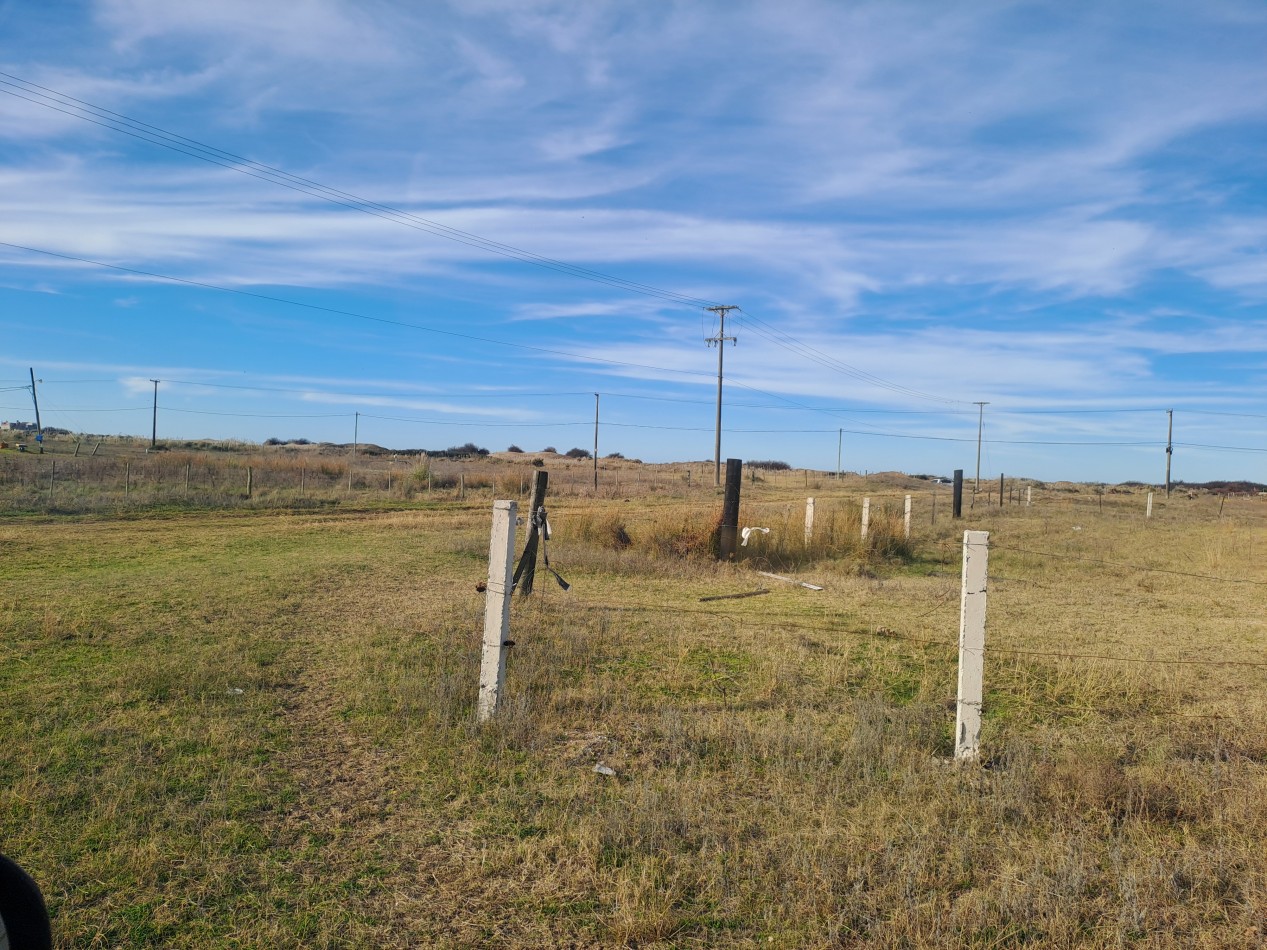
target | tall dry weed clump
[
  {"x": 675, "y": 534},
  {"x": 836, "y": 536},
  {"x": 691, "y": 534}
]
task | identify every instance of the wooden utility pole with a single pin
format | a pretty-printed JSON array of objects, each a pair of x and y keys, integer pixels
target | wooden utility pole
[
  {"x": 980, "y": 425},
  {"x": 356, "y": 437},
  {"x": 39, "y": 429},
  {"x": 1170, "y": 446},
  {"x": 840, "y": 434},
  {"x": 595, "y": 441},
  {"x": 721, "y": 340},
  {"x": 154, "y": 431}
]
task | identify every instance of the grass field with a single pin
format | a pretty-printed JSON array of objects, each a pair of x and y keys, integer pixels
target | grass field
[{"x": 253, "y": 728}]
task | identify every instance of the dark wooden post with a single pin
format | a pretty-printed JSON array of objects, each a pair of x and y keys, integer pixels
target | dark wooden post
[
  {"x": 1000, "y": 490},
  {"x": 526, "y": 569},
  {"x": 728, "y": 530},
  {"x": 956, "y": 506}
]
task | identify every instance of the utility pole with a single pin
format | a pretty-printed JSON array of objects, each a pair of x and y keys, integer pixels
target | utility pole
[
  {"x": 1170, "y": 445},
  {"x": 356, "y": 437},
  {"x": 39, "y": 429},
  {"x": 595, "y": 441},
  {"x": 721, "y": 340},
  {"x": 154, "y": 431},
  {"x": 980, "y": 423},
  {"x": 840, "y": 433}
]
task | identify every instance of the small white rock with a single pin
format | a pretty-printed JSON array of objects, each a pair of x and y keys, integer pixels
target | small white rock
[{"x": 602, "y": 769}]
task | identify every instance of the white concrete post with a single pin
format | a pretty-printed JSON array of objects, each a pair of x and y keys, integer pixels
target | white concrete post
[
  {"x": 501, "y": 555},
  {"x": 1148, "y": 511},
  {"x": 809, "y": 519},
  {"x": 907, "y": 518},
  {"x": 1029, "y": 495},
  {"x": 976, "y": 553},
  {"x": 866, "y": 516}
]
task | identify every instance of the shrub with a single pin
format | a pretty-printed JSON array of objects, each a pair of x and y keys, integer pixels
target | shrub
[
  {"x": 460, "y": 451},
  {"x": 551, "y": 449},
  {"x": 578, "y": 454},
  {"x": 516, "y": 449},
  {"x": 770, "y": 465},
  {"x": 614, "y": 455}
]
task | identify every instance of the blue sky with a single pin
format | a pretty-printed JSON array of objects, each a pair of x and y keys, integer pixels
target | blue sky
[{"x": 1059, "y": 209}]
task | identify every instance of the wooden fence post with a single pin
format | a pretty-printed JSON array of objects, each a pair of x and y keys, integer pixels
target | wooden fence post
[
  {"x": 728, "y": 530},
  {"x": 188, "y": 465},
  {"x": 956, "y": 500},
  {"x": 501, "y": 552},
  {"x": 976, "y": 553},
  {"x": 250, "y": 481},
  {"x": 907, "y": 518},
  {"x": 127, "y": 478},
  {"x": 526, "y": 570},
  {"x": 866, "y": 517},
  {"x": 52, "y": 477},
  {"x": 809, "y": 519}
]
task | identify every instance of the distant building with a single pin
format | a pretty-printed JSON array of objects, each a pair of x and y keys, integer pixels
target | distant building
[{"x": 17, "y": 426}]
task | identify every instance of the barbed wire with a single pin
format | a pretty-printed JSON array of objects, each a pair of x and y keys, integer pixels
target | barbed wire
[
  {"x": 885, "y": 633},
  {"x": 1126, "y": 566}
]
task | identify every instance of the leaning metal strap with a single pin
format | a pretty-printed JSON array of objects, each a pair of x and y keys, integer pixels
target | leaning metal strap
[{"x": 543, "y": 531}]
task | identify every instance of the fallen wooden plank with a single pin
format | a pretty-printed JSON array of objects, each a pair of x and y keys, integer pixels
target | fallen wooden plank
[
  {"x": 747, "y": 593},
  {"x": 790, "y": 580}
]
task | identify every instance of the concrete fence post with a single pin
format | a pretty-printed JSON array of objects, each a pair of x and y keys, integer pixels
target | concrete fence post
[
  {"x": 972, "y": 604},
  {"x": 907, "y": 519},
  {"x": 809, "y": 520},
  {"x": 501, "y": 552},
  {"x": 1148, "y": 510},
  {"x": 866, "y": 517}
]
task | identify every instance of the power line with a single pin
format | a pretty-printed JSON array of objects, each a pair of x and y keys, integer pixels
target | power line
[
  {"x": 261, "y": 415},
  {"x": 790, "y": 343},
  {"x": 154, "y": 135},
  {"x": 358, "y": 316},
  {"x": 89, "y": 112},
  {"x": 397, "y": 323}
]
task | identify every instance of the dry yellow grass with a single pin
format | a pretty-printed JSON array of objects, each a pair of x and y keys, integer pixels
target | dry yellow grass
[{"x": 780, "y": 760}]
